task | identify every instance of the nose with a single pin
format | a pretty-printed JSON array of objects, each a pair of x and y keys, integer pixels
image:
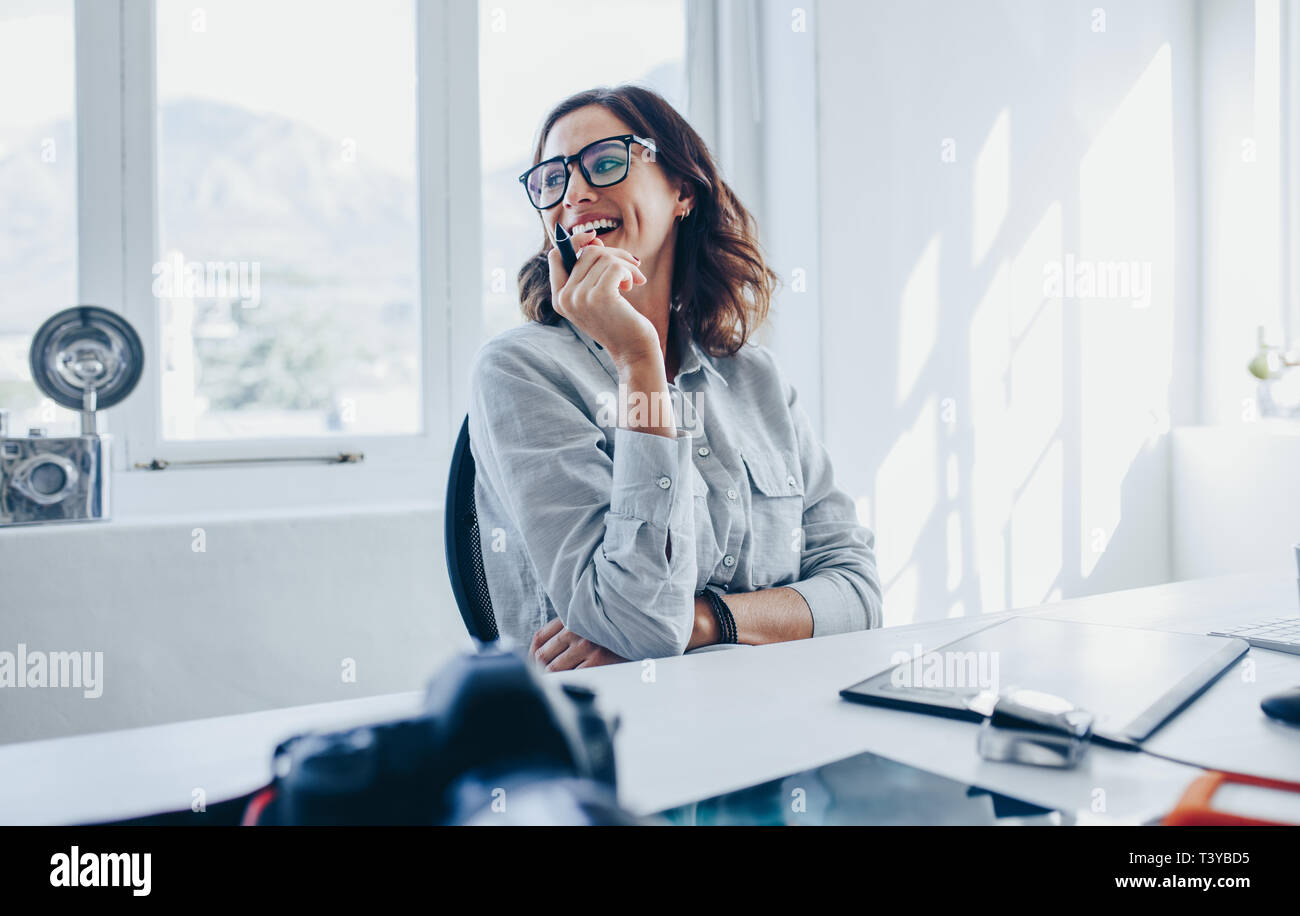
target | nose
[{"x": 578, "y": 189}]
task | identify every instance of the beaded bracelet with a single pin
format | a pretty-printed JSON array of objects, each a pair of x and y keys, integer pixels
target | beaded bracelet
[{"x": 726, "y": 622}]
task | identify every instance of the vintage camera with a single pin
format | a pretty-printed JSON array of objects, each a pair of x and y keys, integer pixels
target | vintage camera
[
  {"x": 85, "y": 358},
  {"x": 495, "y": 744}
]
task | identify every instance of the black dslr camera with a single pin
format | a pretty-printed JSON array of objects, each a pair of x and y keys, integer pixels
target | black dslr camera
[{"x": 495, "y": 745}]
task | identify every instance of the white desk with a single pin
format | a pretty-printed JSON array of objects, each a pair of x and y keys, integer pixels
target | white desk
[{"x": 713, "y": 722}]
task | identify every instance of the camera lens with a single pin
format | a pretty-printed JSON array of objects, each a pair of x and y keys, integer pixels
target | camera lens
[{"x": 48, "y": 479}]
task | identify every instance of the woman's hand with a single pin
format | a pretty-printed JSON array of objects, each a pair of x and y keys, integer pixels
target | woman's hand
[
  {"x": 560, "y": 649},
  {"x": 590, "y": 298}
]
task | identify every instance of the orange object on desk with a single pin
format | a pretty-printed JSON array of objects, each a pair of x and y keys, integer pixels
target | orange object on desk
[{"x": 1196, "y": 807}]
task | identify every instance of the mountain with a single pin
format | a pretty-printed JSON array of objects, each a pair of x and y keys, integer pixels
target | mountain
[{"x": 234, "y": 185}]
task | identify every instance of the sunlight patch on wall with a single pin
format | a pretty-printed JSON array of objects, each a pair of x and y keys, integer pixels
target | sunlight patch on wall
[
  {"x": 1036, "y": 379},
  {"x": 1121, "y": 283},
  {"x": 990, "y": 488},
  {"x": 906, "y": 492},
  {"x": 991, "y": 192},
  {"x": 954, "y": 551},
  {"x": 901, "y": 598},
  {"x": 1036, "y": 531},
  {"x": 918, "y": 318},
  {"x": 1029, "y": 292},
  {"x": 1036, "y": 386}
]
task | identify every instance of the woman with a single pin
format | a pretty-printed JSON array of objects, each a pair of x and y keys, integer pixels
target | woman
[{"x": 611, "y": 528}]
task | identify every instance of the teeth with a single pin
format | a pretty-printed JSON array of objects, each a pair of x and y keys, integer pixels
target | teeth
[{"x": 596, "y": 224}]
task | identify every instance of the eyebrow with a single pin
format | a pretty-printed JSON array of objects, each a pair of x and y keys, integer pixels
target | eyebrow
[{"x": 584, "y": 146}]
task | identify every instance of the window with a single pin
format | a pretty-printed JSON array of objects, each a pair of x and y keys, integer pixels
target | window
[
  {"x": 287, "y": 202},
  {"x": 528, "y": 54},
  {"x": 38, "y": 197},
  {"x": 287, "y": 282}
]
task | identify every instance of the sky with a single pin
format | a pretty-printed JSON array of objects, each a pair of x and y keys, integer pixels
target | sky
[
  {"x": 347, "y": 68},
  {"x": 36, "y": 53},
  {"x": 533, "y": 54}
]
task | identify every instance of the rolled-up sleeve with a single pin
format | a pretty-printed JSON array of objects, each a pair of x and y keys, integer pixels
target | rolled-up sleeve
[
  {"x": 611, "y": 539},
  {"x": 837, "y": 568}
]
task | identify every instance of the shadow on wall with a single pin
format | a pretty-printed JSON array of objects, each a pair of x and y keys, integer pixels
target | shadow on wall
[{"x": 1010, "y": 343}]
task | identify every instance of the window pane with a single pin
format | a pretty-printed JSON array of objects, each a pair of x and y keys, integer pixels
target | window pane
[
  {"x": 528, "y": 54},
  {"x": 288, "y": 282},
  {"x": 38, "y": 197}
]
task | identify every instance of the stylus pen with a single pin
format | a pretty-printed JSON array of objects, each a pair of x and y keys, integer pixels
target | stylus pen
[{"x": 564, "y": 242}]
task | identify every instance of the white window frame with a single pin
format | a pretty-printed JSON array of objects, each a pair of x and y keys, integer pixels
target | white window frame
[{"x": 117, "y": 248}]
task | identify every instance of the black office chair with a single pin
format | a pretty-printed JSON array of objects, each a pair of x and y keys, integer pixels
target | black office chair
[{"x": 464, "y": 556}]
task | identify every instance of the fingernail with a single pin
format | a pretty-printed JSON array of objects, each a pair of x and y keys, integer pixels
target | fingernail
[{"x": 635, "y": 258}]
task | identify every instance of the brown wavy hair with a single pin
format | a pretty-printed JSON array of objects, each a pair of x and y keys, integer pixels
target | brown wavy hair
[{"x": 720, "y": 279}]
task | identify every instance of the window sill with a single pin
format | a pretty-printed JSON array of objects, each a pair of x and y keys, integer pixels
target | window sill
[{"x": 253, "y": 490}]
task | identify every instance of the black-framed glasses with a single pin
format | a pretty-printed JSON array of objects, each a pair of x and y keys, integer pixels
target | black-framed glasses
[{"x": 603, "y": 163}]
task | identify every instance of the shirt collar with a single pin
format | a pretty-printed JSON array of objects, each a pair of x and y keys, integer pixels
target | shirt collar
[{"x": 693, "y": 360}]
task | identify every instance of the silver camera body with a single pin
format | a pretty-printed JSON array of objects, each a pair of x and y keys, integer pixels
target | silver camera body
[
  {"x": 52, "y": 479},
  {"x": 85, "y": 358}
]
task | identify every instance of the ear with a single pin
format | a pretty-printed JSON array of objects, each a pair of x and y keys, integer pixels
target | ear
[{"x": 686, "y": 196}]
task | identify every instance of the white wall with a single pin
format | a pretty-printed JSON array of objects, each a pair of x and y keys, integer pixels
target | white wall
[
  {"x": 262, "y": 618},
  {"x": 1006, "y": 441},
  {"x": 1254, "y": 524}
]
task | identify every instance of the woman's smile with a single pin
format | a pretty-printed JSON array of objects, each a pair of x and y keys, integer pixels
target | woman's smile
[{"x": 605, "y": 227}]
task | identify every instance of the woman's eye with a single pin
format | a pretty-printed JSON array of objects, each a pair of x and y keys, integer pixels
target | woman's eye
[{"x": 608, "y": 165}]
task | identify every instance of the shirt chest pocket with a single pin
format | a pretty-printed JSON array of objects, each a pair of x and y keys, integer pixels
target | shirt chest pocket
[{"x": 776, "y": 509}]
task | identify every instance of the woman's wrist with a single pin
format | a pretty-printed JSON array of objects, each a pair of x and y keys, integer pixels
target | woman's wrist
[
  {"x": 638, "y": 357},
  {"x": 645, "y": 403},
  {"x": 705, "y": 632}
]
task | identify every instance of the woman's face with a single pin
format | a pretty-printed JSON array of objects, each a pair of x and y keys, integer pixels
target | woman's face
[{"x": 643, "y": 205}]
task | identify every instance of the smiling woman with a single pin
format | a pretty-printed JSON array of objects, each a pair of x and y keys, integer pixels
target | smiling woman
[{"x": 617, "y": 533}]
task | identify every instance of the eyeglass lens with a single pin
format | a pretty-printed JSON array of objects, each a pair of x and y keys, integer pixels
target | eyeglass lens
[{"x": 603, "y": 163}]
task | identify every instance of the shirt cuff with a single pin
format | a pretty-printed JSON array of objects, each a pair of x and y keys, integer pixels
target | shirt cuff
[
  {"x": 652, "y": 476},
  {"x": 833, "y": 611}
]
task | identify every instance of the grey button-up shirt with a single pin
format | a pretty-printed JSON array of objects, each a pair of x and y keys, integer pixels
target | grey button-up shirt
[{"x": 615, "y": 530}]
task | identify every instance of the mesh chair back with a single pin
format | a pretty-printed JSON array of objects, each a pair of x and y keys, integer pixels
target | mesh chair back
[{"x": 464, "y": 555}]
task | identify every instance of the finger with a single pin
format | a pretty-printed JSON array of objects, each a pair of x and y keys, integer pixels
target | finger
[
  {"x": 632, "y": 262},
  {"x": 613, "y": 278},
  {"x": 555, "y": 646},
  {"x": 580, "y": 267},
  {"x": 543, "y": 635},
  {"x": 559, "y": 276},
  {"x": 555, "y": 260},
  {"x": 601, "y": 656},
  {"x": 572, "y": 657},
  {"x": 582, "y": 240}
]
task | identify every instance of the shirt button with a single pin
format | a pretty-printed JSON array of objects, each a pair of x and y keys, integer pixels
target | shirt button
[
  {"x": 731, "y": 494},
  {"x": 790, "y": 480},
  {"x": 664, "y": 483},
  {"x": 702, "y": 451},
  {"x": 728, "y": 560}
]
